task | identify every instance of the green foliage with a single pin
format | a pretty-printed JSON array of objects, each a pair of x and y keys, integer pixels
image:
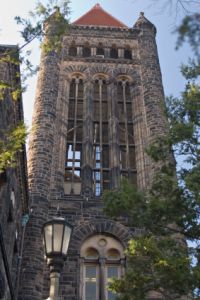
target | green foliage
[
  {"x": 131, "y": 198},
  {"x": 189, "y": 31},
  {"x": 55, "y": 12},
  {"x": 3, "y": 87},
  {"x": 10, "y": 145},
  {"x": 56, "y": 28},
  {"x": 155, "y": 269}
]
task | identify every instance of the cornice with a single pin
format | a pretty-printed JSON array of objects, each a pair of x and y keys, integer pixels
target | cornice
[
  {"x": 97, "y": 60},
  {"x": 106, "y": 29}
]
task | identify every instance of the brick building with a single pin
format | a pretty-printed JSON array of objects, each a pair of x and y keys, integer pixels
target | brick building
[
  {"x": 98, "y": 105},
  {"x": 13, "y": 183}
]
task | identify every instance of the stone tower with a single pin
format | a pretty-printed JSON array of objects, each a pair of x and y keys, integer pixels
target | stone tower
[{"x": 98, "y": 105}]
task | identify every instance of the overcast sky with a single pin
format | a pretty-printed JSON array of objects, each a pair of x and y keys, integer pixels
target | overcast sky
[{"x": 164, "y": 18}]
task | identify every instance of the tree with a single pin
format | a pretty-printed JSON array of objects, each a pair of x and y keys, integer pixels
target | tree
[
  {"x": 13, "y": 139},
  {"x": 160, "y": 261}
]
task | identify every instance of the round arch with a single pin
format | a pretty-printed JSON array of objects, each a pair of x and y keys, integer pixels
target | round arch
[{"x": 104, "y": 226}]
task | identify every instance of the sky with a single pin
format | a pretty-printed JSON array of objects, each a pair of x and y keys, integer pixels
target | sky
[{"x": 165, "y": 18}]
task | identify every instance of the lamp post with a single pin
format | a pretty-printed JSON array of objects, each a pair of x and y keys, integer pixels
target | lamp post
[{"x": 56, "y": 234}]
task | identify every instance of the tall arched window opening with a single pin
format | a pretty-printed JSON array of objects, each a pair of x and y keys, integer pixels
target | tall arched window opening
[
  {"x": 126, "y": 134},
  {"x": 73, "y": 50},
  {"x": 100, "y": 139},
  {"x": 113, "y": 52},
  {"x": 102, "y": 260},
  {"x": 86, "y": 51},
  {"x": 100, "y": 50},
  {"x": 74, "y": 138},
  {"x": 127, "y": 53}
]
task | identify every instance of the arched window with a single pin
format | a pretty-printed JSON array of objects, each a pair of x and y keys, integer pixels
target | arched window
[
  {"x": 73, "y": 162},
  {"x": 100, "y": 136},
  {"x": 100, "y": 50},
  {"x": 86, "y": 51},
  {"x": 126, "y": 133},
  {"x": 102, "y": 260},
  {"x": 113, "y": 254},
  {"x": 127, "y": 53},
  {"x": 113, "y": 52},
  {"x": 73, "y": 50}
]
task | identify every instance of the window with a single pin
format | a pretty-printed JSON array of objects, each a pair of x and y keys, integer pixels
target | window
[
  {"x": 127, "y": 53},
  {"x": 91, "y": 278},
  {"x": 126, "y": 132},
  {"x": 100, "y": 50},
  {"x": 113, "y": 52},
  {"x": 102, "y": 260},
  {"x": 100, "y": 137},
  {"x": 73, "y": 50},
  {"x": 111, "y": 272},
  {"x": 86, "y": 51},
  {"x": 73, "y": 161}
]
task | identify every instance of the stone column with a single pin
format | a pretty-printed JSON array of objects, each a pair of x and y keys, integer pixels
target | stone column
[
  {"x": 140, "y": 136},
  {"x": 113, "y": 137},
  {"x": 133, "y": 53},
  {"x": 152, "y": 88},
  {"x": 39, "y": 170},
  {"x": 102, "y": 279},
  {"x": 87, "y": 166},
  {"x": 93, "y": 51},
  {"x": 79, "y": 51},
  {"x": 60, "y": 138},
  {"x": 121, "y": 53},
  {"x": 107, "y": 52}
]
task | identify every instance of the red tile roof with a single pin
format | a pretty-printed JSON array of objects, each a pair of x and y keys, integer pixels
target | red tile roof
[{"x": 99, "y": 17}]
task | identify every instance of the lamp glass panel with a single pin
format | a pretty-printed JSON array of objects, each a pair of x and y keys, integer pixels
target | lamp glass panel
[
  {"x": 66, "y": 239},
  {"x": 48, "y": 238},
  {"x": 57, "y": 237}
]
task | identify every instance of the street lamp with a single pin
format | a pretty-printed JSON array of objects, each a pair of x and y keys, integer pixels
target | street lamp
[{"x": 56, "y": 234}]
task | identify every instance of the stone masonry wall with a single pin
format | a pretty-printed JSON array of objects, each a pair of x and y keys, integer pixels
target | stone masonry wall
[{"x": 13, "y": 182}]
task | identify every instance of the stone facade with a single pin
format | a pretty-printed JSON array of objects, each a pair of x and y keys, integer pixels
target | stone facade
[
  {"x": 13, "y": 183},
  {"x": 137, "y": 77}
]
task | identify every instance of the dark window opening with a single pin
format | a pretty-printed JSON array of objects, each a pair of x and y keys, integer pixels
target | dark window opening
[
  {"x": 3, "y": 178},
  {"x": 10, "y": 213},
  {"x": 127, "y": 54},
  {"x": 86, "y": 52},
  {"x": 113, "y": 53},
  {"x": 10, "y": 216},
  {"x": 122, "y": 157},
  {"x": 100, "y": 51},
  {"x": 106, "y": 180},
  {"x": 72, "y": 51},
  {"x": 130, "y": 134},
  {"x": 132, "y": 158}
]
